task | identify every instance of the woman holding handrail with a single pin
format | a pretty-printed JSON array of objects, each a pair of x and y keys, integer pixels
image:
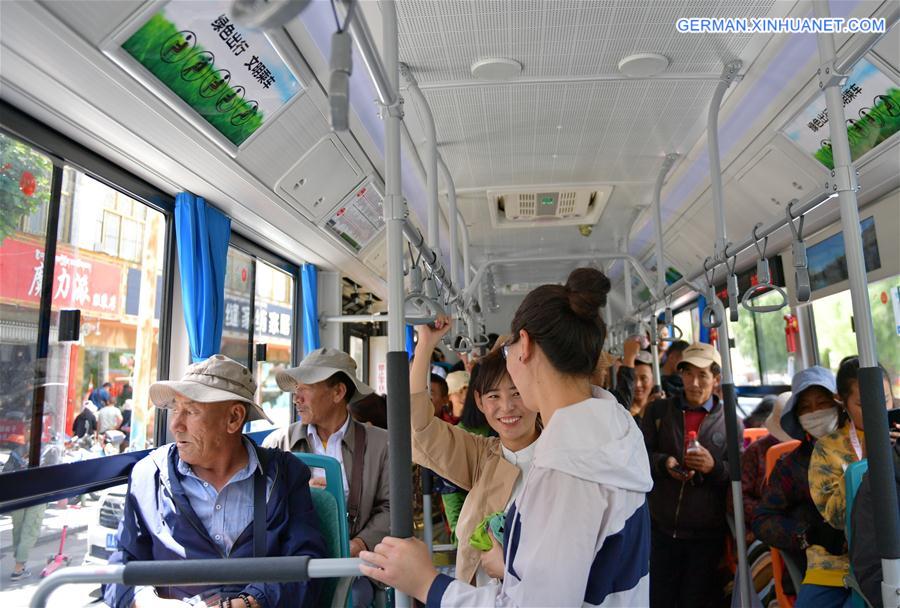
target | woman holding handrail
[
  {"x": 579, "y": 531},
  {"x": 491, "y": 469}
]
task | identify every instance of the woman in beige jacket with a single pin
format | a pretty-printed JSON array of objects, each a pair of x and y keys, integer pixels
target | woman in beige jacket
[{"x": 491, "y": 469}]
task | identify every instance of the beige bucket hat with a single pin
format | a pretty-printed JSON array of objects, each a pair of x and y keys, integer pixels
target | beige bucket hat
[
  {"x": 216, "y": 379},
  {"x": 320, "y": 365}
]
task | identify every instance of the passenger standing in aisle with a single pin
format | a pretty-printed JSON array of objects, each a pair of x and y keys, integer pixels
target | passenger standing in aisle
[
  {"x": 490, "y": 469},
  {"x": 577, "y": 535},
  {"x": 687, "y": 504}
]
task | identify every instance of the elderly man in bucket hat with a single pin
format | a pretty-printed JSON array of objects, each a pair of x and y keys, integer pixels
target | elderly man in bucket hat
[
  {"x": 323, "y": 387},
  {"x": 214, "y": 494}
]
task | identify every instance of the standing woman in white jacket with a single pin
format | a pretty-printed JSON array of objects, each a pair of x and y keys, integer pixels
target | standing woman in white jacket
[{"x": 579, "y": 532}]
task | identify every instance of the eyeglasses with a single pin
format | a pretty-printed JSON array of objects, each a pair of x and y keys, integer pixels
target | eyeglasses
[{"x": 505, "y": 347}]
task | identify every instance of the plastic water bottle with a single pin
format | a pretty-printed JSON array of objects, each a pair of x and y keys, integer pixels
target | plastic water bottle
[{"x": 693, "y": 446}]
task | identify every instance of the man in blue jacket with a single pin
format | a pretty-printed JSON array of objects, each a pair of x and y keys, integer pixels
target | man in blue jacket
[{"x": 196, "y": 498}]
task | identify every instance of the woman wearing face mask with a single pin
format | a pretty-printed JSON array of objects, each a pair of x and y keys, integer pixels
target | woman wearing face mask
[
  {"x": 491, "y": 469},
  {"x": 786, "y": 517},
  {"x": 843, "y": 447},
  {"x": 578, "y": 533}
]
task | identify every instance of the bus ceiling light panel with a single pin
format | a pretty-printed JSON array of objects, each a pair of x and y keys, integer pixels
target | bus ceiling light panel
[
  {"x": 496, "y": 68},
  {"x": 643, "y": 65}
]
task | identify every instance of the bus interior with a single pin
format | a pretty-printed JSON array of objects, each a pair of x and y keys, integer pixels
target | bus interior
[{"x": 374, "y": 163}]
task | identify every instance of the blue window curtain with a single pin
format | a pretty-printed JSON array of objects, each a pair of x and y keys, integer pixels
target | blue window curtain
[
  {"x": 308, "y": 276},
  {"x": 202, "y": 233},
  {"x": 410, "y": 341}
]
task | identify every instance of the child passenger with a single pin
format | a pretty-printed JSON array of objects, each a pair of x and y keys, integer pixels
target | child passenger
[{"x": 578, "y": 533}]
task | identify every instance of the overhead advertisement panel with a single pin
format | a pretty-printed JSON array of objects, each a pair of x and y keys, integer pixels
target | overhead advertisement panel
[
  {"x": 871, "y": 107},
  {"x": 195, "y": 57},
  {"x": 359, "y": 219}
]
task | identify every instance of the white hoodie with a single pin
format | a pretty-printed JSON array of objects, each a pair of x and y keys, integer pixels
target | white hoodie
[{"x": 579, "y": 533}]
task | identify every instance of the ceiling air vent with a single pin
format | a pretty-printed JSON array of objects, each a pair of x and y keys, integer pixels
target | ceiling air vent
[{"x": 547, "y": 206}]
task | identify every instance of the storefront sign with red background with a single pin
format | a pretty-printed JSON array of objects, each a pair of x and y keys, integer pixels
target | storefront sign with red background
[{"x": 78, "y": 280}]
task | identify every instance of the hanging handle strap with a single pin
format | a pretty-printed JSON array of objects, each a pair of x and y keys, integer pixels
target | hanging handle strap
[
  {"x": 763, "y": 278},
  {"x": 669, "y": 319},
  {"x": 798, "y": 253},
  {"x": 734, "y": 293},
  {"x": 711, "y": 318}
]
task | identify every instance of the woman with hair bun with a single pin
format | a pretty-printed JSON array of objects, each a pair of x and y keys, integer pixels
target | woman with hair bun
[{"x": 578, "y": 534}]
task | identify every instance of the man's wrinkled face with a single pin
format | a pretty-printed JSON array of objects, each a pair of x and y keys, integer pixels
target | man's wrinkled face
[
  {"x": 316, "y": 402},
  {"x": 202, "y": 429}
]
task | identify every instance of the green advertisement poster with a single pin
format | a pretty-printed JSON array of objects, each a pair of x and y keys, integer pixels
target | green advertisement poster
[
  {"x": 233, "y": 78},
  {"x": 872, "y": 109}
]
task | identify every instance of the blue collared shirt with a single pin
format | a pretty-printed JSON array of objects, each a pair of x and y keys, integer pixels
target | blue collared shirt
[
  {"x": 708, "y": 406},
  {"x": 235, "y": 499}
]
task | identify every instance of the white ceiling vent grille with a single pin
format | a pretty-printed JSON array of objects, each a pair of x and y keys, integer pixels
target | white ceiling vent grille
[{"x": 547, "y": 206}]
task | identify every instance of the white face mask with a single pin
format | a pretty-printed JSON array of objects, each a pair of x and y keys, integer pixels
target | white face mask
[{"x": 820, "y": 423}]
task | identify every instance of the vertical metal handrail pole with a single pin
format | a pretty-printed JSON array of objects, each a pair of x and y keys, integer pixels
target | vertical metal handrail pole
[
  {"x": 397, "y": 358},
  {"x": 626, "y": 278},
  {"x": 432, "y": 233},
  {"x": 871, "y": 388},
  {"x": 660, "y": 263},
  {"x": 467, "y": 269},
  {"x": 654, "y": 351},
  {"x": 729, "y": 394},
  {"x": 453, "y": 220},
  {"x": 427, "y": 523}
]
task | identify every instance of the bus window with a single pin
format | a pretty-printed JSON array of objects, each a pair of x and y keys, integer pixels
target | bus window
[
  {"x": 109, "y": 262},
  {"x": 273, "y": 326},
  {"x": 759, "y": 355},
  {"x": 357, "y": 352},
  {"x": 25, "y": 177},
  {"x": 834, "y": 327},
  {"x": 684, "y": 321},
  {"x": 109, "y": 259},
  {"x": 239, "y": 268}
]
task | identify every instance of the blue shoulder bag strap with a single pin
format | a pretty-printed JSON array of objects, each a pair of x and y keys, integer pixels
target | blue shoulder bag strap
[{"x": 259, "y": 504}]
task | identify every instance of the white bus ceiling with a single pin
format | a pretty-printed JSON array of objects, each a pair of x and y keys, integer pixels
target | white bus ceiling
[
  {"x": 570, "y": 120},
  {"x": 556, "y": 149}
]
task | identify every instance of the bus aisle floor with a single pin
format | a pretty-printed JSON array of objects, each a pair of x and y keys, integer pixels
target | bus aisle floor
[{"x": 17, "y": 593}]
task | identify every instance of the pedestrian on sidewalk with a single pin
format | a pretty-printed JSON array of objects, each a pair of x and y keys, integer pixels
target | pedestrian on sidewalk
[{"x": 26, "y": 522}]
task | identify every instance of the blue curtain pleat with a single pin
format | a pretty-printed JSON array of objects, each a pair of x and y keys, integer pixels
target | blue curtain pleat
[
  {"x": 202, "y": 235},
  {"x": 308, "y": 274}
]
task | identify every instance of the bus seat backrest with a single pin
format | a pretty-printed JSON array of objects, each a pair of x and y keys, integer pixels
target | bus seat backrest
[
  {"x": 779, "y": 561},
  {"x": 753, "y": 434},
  {"x": 334, "y": 485},
  {"x": 777, "y": 451},
  {"x": 852, "y": 478},
  {"x": 327, "y": 512}
]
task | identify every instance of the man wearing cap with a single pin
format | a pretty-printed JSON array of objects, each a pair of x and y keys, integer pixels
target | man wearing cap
[
  {"x": 214, "y": 494},
  {"x": 457, "y": 386},
  {"x": 323, "y": 387},
  {"x": 687, "y": 503}
]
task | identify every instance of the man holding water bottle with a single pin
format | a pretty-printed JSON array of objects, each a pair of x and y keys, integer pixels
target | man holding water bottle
[{"x": 685, "y": 438}]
